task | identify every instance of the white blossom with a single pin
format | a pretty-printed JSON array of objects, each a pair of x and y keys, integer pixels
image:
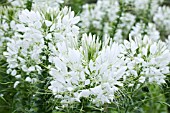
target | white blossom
[
  {"x": 93, "y": 16},
  {"x": 48, "y": 3},
  {"x": 146, "y": 59},
  {"x": 141, "y": 29},
  {"x": 31, "y": 39},
  {"x": 143, "y": 5},
  {"x": 87, "y": 71},
  {"x": 162, "y": 19}
]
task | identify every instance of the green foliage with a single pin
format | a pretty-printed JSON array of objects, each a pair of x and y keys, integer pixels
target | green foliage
[
  {"x": 76, "y": 5},
  {"x": 29, "y": 4}
]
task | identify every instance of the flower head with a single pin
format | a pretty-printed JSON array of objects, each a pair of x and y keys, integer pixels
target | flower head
[
  {"x": 91, "y": 71},
  {"x": 146, "y": 59}
]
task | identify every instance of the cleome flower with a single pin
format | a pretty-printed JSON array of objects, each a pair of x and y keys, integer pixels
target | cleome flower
[
  {"x": 40, "y": 3},
  {"x": 7, "y": 23},
  {"x": 28, "y": 47},
  {"x": 147, "y": 60},
  {"x": 124, "y": 20},
  {"x": 141, "y": 29},
  {"x": 50, "y": 3},
  {"x": 105, "y": 12},
  {"x": 162, "y": 20},
  {"x": 92, "y": 71},
  {"x": 139, "y": 6}
]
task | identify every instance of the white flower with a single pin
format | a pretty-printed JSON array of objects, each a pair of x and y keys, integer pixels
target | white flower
[
  {"x": 162, "y": 19},
  {"x": 30, "y": 17},
  {"x": 140, "y": 29},
  {"x": 148, "y": 59},
  {"x": 103, "y": 10},
  {"x": 30, "y": 43},
  {"x": 48, "y": 3},
  {"x": 95, "y": 65},
  {"x": 144, "y": 5},
  {"x": 127, "y": 20}
]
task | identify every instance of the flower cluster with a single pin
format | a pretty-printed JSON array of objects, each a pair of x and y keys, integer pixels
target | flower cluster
[
  {"x": 28, "y": 47},
  {"x": 141, "y": 29},
  {"x": 150, "y": 5},
  {"x": 103, "y": 10},
  {"x": 161, "y": 19},
  {"x": 49, "y": 3},
  {"x": 146, "y": 60},
  {"x": 87, "y": 72},
  {"x": 122, "y": 21},
  {"x": 6, "y": 14}
]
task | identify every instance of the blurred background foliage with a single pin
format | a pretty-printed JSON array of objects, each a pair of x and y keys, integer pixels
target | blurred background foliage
[
  {"x": 167, "y": 2},
  {"x": 77, "y": 4}
]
